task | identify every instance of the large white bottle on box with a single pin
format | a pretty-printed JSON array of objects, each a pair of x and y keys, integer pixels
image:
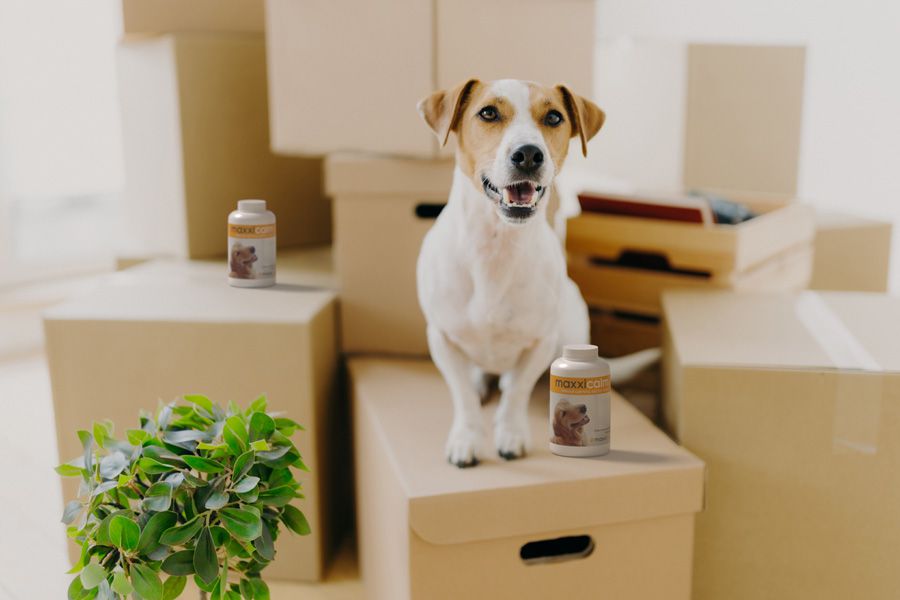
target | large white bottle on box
[{"x": 579, "y": 403}]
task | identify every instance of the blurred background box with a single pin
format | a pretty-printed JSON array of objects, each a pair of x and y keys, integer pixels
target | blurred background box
[
  {"x": 793, "y": 402},
  {"x": 195, "y": 135},
  {"x": 462, "y": 533},
  {"x": 382, "y": 210},
  {"x": 852, "y": 252},
  {"x": 357, "y": 91},
  {"x": 169, "y": 16},
  {"x": 167, "y": 328}
]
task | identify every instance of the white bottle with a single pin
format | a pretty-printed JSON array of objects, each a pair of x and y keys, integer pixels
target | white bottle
[
  {"x": 579, "y": 403},
  {"x": 251, "y": 245}
]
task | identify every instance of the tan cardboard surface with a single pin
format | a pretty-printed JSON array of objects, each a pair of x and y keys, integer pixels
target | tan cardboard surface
[
  {"x": 160, "y": 330},
  {"x": 852, "y": 253},
  {"x": 744, "y": 117},
  {"x": 801, "y": 455},
  {"x": 457, "y": 533},
  {"x": 357, "y": 91},
  {"x": 164, "y": 16},
  {"x": 195, "y": 135}
]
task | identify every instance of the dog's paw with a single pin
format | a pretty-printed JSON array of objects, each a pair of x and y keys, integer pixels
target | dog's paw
[
  {"x": 512, "y": 439},
  {"x": 464, "y": 445}
]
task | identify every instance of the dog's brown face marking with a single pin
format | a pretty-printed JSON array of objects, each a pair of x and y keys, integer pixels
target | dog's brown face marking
[
  {"x": 513, "y": 136},
  {"x": 571, "y": 416}
]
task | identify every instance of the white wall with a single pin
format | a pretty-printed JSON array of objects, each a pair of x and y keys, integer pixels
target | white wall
[{"x": 850, "y": 149}]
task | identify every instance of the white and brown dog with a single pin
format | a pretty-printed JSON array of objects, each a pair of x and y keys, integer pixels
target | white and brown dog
[{"x": 492, "y": 276}]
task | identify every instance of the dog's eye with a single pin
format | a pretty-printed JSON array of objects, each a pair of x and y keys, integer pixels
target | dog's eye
[
  {"x": 553, "y": 118},
  {"x": 489, "y": 113}
]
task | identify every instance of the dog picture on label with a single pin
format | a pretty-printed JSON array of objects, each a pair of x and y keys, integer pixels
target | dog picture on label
[
  {"x": 568, "y": 423},
  {"x": 242, "y": 259},
  {"x": 491, "y": 273}
]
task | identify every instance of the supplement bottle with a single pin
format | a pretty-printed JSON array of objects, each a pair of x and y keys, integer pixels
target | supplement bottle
[
  {"x": 251, "y": 245},
  {"x": 579, "y": 403}
]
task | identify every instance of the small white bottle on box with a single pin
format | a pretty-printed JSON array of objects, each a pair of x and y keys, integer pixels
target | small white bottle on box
[
  {"x": 251, "y": 245},
  {"x": 579, "y": 403}
]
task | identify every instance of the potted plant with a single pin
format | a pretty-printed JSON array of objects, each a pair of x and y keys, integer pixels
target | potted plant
[{"x": 197, "y": 490}]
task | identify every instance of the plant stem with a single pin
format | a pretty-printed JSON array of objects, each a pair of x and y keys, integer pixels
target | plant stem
[{"x": 203, "y": 595}]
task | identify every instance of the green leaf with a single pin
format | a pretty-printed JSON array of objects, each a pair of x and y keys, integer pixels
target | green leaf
[
  {"x": 295, "y": 520},
  {"x": 216, "y": 500},
  {"x": 260, "y": 589},
  {"x": 173, "y": 587},
  {"x": 67, "y": 470},
  {"x": 264, "y": 544},
  {"x": 261, "y": 426},
  {"x": 181, "y": 534},
  {"x": 121, "y": 585},
  {"x": 260, "y": 445},
  {"x": 77, "y": 592},
  {"x": 206, "y": 587},
  {"x": 151, "y": 466},
  {"x": 71, "y": 512},
  {"x": 153, "y": 530},
  {"x": 92, "y": 575},
  {"x": 205, "y": 562},
  {"x": 242, "y": 524},
  {"x": 279, "y": 496},
  {"x": 146, "y": 582},
  {"x": 246, "y": 589},
  {"x": 179, "y": 563},
  {"x": 204, "y": 465},
  {"x": 235, "y": 435},
  {"x": 208, "y": 446},
  {"x": 243, "y": 464},
  {"x": 136, "y": 437},
  {"x": 201, "y": 401},
  {"x": 280, "y": 477},
  {"x": 258, "y": 405},
  {"x": 87, "y": 443},
  {"x": 102, "y": 534},
  {"x": 287, "y": 426},
  {"x": 112, "y": 464},
  {"x": 124, "y": 533},
  {"x": 102, "y": 432},
  {"x": 246, "y": 484},
  {"x": 158, "y": 497}
]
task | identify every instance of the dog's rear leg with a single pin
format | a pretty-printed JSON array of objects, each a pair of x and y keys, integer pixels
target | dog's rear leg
[
  {"x": 482, "y": 382},
  {"x": 466, "y": 440},
  {"x": 512, "y": 436}
]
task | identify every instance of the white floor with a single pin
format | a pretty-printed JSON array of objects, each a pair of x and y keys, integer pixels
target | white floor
[{"x": 33, "y": 557}]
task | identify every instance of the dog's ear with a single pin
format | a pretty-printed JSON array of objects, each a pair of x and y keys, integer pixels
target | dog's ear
[
  {"x": 586, "y": 117},
  {"x": 441, "y": 110}
]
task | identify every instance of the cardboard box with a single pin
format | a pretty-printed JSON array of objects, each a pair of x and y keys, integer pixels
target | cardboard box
[
  {"x": 195, "y": 136},
  {"x": 167, "y": 328},
  {"x": 382, "y": 210},
  {"x": 358, "y": 91},
  {"x": 852, "y": 253},
  {"x": 615, "y": 287},
  {"x": 429, "y": 530},
  {"x": 168, "y": 16},
  {"x": 793, "y": 401}
]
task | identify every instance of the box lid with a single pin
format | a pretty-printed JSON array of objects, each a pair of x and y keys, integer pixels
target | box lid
[
  {"x": 361, "y": 174},
  {"x": 644, "y": 476},
  {"x": 804, "y": 330},
  {"x": 192, "y": 291}
]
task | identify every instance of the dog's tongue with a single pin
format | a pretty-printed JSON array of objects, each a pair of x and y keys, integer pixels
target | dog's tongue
[{"x": 520, "y": 193}]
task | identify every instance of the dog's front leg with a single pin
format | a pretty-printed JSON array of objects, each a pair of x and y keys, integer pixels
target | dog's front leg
[
  {"x": 466, "y": 440},
  {"x": 512, "y": 436}
]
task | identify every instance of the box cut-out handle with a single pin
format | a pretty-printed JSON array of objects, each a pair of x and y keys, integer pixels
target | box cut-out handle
[
  {"x": 647, "y": 261},
  {"x": 429, "y": 210},
  {"x": 571, "y": 547}
]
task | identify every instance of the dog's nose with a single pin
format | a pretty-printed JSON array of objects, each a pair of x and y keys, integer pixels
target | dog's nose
[
  {"x": 527, "y": 158},
  {"x": 252, "y": 249},
  {"x": 582, "y": 408}
]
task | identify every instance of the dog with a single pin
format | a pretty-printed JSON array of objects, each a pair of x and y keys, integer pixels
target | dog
[
  {"x": 491, "y": 272},
  {"x": 568, "y": 423},
  {"x": 242, "y": 259}
]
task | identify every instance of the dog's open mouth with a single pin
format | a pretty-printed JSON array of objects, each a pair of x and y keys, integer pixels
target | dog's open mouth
[
  {"x": 581, "y": 423},
  {"x": 517, "y": 201}
]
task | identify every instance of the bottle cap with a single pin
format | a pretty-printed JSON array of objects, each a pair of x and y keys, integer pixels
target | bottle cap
[
  {"x": 583, "y": 352},
  {"x": 253, "y": 206}
]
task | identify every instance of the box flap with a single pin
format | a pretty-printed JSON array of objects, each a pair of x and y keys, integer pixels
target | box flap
[
  {"x": 744, "y": 117},
  {"x": 645, "y": 475},
  {"x": 805, "y": 330},
  {"x": 361, "y": 174},
  {"x": 191, "y": 291}
]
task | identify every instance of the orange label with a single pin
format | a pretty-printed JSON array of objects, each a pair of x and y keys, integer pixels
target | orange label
[
  {"x": 251, "y": 231},
  {"x": 579, "y": 386}
]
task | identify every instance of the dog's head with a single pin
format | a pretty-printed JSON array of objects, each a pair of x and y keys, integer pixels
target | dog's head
[
  {"x": 513, "y": 137},
  {"x": 570, "y": 416},
  {"x": 243, "y": 255}
]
